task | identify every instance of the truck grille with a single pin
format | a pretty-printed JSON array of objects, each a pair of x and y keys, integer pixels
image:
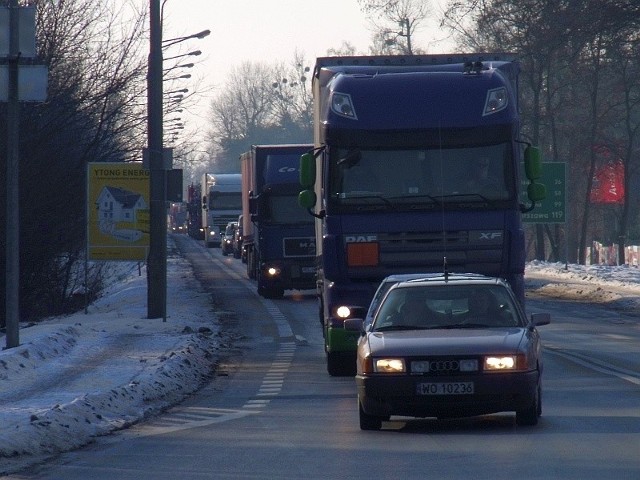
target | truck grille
[
  {"x": 299, "y": 247},
  {"x": 424, "y": 252}
]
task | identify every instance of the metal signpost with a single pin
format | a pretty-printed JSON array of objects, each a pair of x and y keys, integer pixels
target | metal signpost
[{"x": 20, "y": 80}]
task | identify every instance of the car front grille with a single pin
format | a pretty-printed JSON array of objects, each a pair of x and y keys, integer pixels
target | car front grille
[{"x": 438, "y": 366}]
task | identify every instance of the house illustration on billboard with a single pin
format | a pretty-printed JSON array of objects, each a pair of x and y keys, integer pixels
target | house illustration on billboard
[{"x": 118, "y": 211}]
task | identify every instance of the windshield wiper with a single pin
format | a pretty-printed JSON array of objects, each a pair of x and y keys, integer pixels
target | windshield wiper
[
  {"x": 414, "y": 197},
  {"x": 466, "y": 325},
  {"x": 386, "y": 202},
  {"x": 490, "y": 201},
  {"x": 388, "y": 328}
]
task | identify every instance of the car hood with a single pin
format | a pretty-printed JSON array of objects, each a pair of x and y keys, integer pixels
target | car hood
[{"x": 446, "y": 342}]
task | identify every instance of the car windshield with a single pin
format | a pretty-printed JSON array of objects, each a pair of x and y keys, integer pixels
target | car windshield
[{"x": 447, "y": 307}]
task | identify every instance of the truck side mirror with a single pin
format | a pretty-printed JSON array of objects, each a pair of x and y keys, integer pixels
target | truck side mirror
[
  {"x": 307, "y": 170},
  {"x": 536, "y": 192},
  {"x": 307, "y": 199},
  {"x": 533, "y": 170},
  {"x": 532, "y": 163}
]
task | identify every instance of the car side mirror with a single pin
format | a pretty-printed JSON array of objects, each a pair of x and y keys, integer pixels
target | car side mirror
[
  {"x": 354, "y": 324},
  {"x": 539, "y": 319}
]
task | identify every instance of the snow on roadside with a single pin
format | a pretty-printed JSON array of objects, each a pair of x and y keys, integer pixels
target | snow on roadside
[
  {"x": 78, "y": 377},
  {"x": 618, "y": 287}
]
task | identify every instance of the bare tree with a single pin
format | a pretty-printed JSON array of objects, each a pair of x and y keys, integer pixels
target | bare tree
[
  {"x": 93, "y": 113},
  {"x": 395, "y": 23},
  {"x": 293, "y": 103},
  {"x": 260, "y": 104},
  {"x": 567, "y": 78},
  {"x": 346, "y": 49},
  {"x": 245, "y": 103}
]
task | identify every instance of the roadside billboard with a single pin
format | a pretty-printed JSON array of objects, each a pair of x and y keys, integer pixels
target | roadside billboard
[{"x": 117, "y": 211}]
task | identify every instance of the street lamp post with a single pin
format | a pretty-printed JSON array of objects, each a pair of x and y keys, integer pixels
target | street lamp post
[
  {"x": 157, "y": 259},
  {"x": 195, "y": 53},
  {"x": 172, "y": 41}
]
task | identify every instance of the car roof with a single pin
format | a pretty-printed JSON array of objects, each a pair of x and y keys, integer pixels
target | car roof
[
  {"x": 403, "y": 277},
  {"x": 451, "y": 279}
]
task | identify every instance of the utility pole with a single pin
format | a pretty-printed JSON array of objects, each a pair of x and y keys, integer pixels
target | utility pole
[
  {"x": 12, "y": 283},
  {"x": 157, "y": 259}
]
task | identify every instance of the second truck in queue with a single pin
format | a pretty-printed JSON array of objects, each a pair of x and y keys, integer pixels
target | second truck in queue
[
  {"x": 278, "y": 236},
  {"x": 221, "y": 202},
  {"x": 416, "y": 163}
]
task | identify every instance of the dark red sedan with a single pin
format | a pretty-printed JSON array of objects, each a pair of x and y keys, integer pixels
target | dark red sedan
[{"x": 451, "y": 345}]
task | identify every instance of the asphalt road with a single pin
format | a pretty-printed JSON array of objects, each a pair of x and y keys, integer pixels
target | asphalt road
[{"x": 272, "y": 411}]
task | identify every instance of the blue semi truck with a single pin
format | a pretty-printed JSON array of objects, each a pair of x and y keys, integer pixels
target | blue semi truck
[
  {"x": 416, "y": 162},
  {"x": 278, "y": 236}
]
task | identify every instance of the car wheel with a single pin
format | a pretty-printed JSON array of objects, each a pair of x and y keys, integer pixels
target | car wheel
[
  {"x": 368, "y": 422},
  {"x": 529, "y": 416}
]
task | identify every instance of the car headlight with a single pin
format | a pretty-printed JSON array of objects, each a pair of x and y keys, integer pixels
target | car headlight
[
  {"x": 504, "y": 363},
  {"x": 389, "y": 365}
]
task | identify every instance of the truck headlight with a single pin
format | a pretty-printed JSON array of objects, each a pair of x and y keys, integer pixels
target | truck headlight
[
  {"x": 496, "y": 101},
  {"x": 273, "y": 271},
  {"x": 342, "y": 105}
]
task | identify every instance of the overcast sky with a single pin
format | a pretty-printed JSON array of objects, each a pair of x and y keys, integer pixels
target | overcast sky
[{"x": 270, "y": 31}]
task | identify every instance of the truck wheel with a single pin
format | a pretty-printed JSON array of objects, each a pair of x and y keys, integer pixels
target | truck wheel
[
  {"x": 251, "y": 266},
  {"x": 276, "y": 293},
  {"x": 272, "y": 293},
  {"x": 268, "y": 292},
  {"x": 340, "y": 365},
  {"x": 334, "y": 366}
]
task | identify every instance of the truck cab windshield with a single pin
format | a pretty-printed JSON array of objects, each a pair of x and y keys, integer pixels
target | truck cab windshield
[
  {"x": 411, "y": 178},
  {"x": 225, "y": 201},
  {"x": 284, "y": 210}
]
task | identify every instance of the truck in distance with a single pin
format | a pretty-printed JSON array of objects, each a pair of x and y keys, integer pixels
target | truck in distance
[
  {"x": 278, "y": 236},
  {"x": 221, "y": 202}
]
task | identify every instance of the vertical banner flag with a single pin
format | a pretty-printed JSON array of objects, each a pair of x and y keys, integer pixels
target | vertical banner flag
[{"x": 608, "y": 184}]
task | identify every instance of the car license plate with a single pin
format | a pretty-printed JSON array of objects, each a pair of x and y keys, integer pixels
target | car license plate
[{"x": 445, "y": 388}]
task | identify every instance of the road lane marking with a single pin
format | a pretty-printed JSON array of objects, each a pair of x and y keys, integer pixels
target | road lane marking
[{"x": 596, "y": 365}]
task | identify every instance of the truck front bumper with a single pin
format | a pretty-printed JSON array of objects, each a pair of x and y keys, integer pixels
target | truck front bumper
[{"x": 288, "y": 275}]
